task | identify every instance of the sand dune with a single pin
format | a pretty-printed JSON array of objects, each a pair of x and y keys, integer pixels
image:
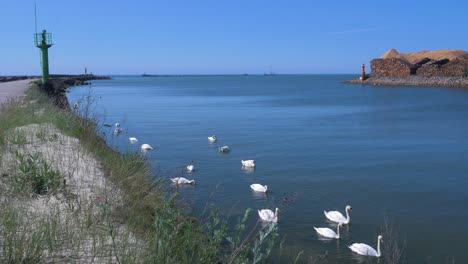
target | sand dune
[{"x": 414, "y": 57}]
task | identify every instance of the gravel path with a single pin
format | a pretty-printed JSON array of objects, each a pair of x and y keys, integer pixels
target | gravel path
[
  {"x": 13, "y": 89},
  {"x": 461, "y": 82}
]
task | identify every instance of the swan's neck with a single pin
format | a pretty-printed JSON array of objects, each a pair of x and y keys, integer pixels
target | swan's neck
[
  {"x": 338, "y": 231},
  {"x": 347, "y": 216},
  {"x": 378, "y": 247}
]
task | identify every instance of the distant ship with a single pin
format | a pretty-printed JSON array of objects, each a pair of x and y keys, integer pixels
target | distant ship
[
  {"x": 159, "y": 75},
  {"x": 271, "y": 73}
]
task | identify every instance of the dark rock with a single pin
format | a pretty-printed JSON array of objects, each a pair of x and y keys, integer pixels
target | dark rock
[
  {"x": 456, "y": 67},
  {"x": 422, "y": 62},
  {"x": 432, "y": 68},
  {"x": 57, "y": 86},
  {"x": 393, "y": 64},
  {"x": 391, "y": 67}
]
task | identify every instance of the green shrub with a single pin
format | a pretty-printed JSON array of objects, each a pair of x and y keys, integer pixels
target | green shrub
[
  {"x": 36, "y": 175},
  {"x": 41, "y": 135},
  {"x": 17, "y": 138}
]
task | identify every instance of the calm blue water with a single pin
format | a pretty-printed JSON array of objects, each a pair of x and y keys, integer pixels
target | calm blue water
[{"x": 397, "y": 153}]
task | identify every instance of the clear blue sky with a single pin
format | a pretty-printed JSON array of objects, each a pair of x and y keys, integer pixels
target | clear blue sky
[{"x": 215, "y": 36}]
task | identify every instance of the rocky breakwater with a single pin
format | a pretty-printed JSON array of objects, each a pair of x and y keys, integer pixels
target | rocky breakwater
[
  {"x": 16, "y": 78},
  {"x": 58, "y": 84},
  {"x": 447, "y": 68}
]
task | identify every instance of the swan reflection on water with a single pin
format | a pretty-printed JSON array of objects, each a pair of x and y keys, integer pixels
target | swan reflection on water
[
  {"x": 259, "y": 196},
  {"x": 365, "y": 259},
  {"x": 248, "y": 170}
]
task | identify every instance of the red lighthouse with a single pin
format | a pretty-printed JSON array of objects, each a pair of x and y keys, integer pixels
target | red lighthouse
[{"x": 363, "y": 73}]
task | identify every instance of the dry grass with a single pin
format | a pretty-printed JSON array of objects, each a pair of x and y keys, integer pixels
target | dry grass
[
  {"x": 394, "y": 245},
  {"x": 414, "y": 57}
]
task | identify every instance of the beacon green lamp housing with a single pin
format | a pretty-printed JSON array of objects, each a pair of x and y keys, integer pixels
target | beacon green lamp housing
[{"x": 44, "y": 41}]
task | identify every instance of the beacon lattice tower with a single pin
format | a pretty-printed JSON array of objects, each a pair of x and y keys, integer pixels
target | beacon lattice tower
[{"x": 44, "y": 41}]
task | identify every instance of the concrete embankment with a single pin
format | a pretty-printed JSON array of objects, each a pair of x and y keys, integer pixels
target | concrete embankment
[
  {"x": 13, "y": 89},
  {"x": 459, "y": 82},
  {"x": 16, "y": 78}
]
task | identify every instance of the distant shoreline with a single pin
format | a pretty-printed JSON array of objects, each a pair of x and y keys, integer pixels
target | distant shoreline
[{"x": 456, "y": 82}]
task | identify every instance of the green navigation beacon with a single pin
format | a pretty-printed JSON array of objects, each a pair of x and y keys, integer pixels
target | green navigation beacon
[{"x": 44, "y": 41}]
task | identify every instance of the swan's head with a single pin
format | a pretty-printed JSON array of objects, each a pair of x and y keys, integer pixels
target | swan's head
[
  {"x": 266, "y": 188},
  {"x": 349, "y": 208},
  {"x": 379, "y": 238},
  {"x": 340, "y": 224},
  {"x": 117, "y": 125}
]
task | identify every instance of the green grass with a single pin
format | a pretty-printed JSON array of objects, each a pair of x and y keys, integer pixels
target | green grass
[
  {"x": 132, "y": 221},
  {"x": 16, "y": 138}
]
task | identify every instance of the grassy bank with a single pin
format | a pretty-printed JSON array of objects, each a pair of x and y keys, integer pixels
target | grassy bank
[{"x": 66, "y": 196}]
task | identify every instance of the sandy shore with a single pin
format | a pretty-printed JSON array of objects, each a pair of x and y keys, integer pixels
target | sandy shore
[
  {"x": 78, "y": 202},
  {"x": 13, "y": 89}
]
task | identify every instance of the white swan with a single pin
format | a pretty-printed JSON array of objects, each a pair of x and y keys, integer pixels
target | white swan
[
  {"x": 248, "y": 163},
  {"x": 267, "y": 215},
  {"x": 117, "y": 128},
  {"x": 366, "y": 250},
  {"x": 133, "y": 139},
  {"x": 190, "y": 167},
  {"x": 328, "y": 233},
  {"x": 224, "y": 149},
  {"x": 336, "y": 216},
  {"x": 146, "y": 147},
  {"x": 182, "y": 180},
  {"x": 212, "y": 138},
  {"x": 258, "y": 187}
]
